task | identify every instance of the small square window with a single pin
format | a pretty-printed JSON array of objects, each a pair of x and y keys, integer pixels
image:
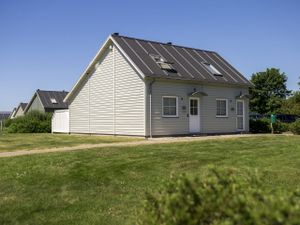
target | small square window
[
  {"x": 170, "y": 106},
  {"x": 222, "y": 108}
]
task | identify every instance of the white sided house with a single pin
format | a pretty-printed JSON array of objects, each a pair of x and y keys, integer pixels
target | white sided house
[{"x": 147, "y": 88}]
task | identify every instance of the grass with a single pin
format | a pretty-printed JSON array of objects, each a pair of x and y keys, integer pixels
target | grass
[
  {"x": 108, "y": 185},
  {"x": 13, "y": 142}
]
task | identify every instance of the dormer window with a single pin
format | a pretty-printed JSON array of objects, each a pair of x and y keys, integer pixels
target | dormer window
[
  {"x": 53, "y": 100},
  {"x": 162, "y": 63},
  {"x": 212, "y": 69}
]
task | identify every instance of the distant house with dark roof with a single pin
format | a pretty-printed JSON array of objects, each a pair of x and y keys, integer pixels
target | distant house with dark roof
[
  {"x": 4, "y": 115},
  {"x": 20, "y": 110},
  {"x": 148, "y": 88},
  {"x": 47, "y": 101}
]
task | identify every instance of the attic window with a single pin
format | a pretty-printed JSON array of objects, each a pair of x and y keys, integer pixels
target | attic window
[
  {"x": 162, "y": 63},
  {"x": 53, "y": 100},
  {"x": 212, "y": 69}
]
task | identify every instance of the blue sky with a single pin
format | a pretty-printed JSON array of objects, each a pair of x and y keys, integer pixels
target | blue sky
[{"x": 47, "y": 44}]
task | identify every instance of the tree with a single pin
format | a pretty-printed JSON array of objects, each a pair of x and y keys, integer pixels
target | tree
[
  {"x": 299, "y": 83},
  {"x": 291, "y": 105},
  {"x": 269, "y": 91}
]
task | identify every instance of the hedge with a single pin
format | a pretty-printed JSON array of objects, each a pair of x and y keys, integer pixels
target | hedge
[
  {"x": 32, "y": 122},
  {"x": 223, "y": 197}
]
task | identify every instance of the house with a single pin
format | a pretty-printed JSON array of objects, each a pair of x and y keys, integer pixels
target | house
[
  {"x": 12, "y": 114},
  {"x": 20, "y": 109},
  {"x": 47, "y": 101},
  {"x": 148, "y": 88},
  {"x": 4, "y": 115}
]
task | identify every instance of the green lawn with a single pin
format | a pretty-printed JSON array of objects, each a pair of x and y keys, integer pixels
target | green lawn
[
  {"x": 107, "y": 186},
  {"x": 13, "y": 142}
]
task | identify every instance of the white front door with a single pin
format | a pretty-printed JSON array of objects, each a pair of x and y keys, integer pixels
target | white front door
[
  {"x": 194, "y": 115},
  {"x": 240, "y": 115}
]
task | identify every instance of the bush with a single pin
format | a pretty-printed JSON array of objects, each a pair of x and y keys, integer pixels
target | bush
[
  {"x": 280, "y": 127},
  {"x": 264, "y": 126},
  {"x": 33, "y": 122},
  {"x": 260, "y": 125},
  {"x": 295, "y": 127},
  {"x": 221, "y": 198}
]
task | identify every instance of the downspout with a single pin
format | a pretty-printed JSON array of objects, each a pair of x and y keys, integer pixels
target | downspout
[{"x": 150, "y": 107}]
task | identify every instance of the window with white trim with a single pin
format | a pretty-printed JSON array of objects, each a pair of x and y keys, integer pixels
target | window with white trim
[
  {"x": 170, "y": 106},
  {"x": 222, "y": 108}
]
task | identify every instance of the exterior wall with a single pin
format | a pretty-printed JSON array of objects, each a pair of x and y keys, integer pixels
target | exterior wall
[
  {"x": 111, "y": 100},
  {"x": 20, "y": 112},
  {"x": 36, "y": 105},
  {"x": 209, "y": 123}
]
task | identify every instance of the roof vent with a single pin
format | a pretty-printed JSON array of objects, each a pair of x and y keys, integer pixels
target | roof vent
[
  {"x": 116, "y": 34},
  {"x": 169, "y": 43}
]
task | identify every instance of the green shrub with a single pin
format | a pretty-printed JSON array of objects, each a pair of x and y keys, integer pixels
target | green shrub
[
  {"x": 260, "y": 125},
  {"x": 221, "y": 198},
  {"x": 280, "y": 127},
  {"x": 264, "y": 126},
  {"x": 33, "y": 122},
  {"x": 295, "y": 127}
]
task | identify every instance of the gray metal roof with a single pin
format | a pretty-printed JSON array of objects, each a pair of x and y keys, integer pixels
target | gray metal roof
[
  {"x": 188, "y": 63},
  {"x": 46, "y": 96},
  {"x": 23, "y": 105}
]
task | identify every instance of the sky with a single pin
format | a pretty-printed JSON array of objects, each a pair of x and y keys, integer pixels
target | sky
[{"x": 48, "y": 44}]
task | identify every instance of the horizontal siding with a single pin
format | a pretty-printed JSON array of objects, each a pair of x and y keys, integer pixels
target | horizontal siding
[
  {"x": 209, "y": 123},
  {"x": 129, "y": 99},
  {"x": 101, "y": 95},
  {"x": 36, "y": 105},
  {"x": 110, "y": 104},
  {"x": 79, "y": 110},
  {"x": 20, "y": 112}
]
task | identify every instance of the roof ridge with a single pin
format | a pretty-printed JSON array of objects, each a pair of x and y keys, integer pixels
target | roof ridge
[
  {"x": 158, "y": 42},
  {"x": 51, "y": 91}
]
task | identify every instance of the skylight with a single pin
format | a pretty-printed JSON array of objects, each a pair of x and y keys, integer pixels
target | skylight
[
  {"x": 212, "y": 69},
  {"x": 53, "y": 100},
  {"x": 162, "y": 63}
]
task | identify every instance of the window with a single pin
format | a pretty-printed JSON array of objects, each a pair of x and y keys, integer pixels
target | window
[
  {"x": 194, "y": 107},
  {"x": 170, "y": 106},
  {"x": 161, "y": 62},
  {"x": 222, "y": 108},
  {"x": 53, "y": 100},
  {"x": 212, "y": 69}
]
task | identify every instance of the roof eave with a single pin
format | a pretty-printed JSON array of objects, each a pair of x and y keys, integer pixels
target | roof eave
[{"x": 178, "y": 79}]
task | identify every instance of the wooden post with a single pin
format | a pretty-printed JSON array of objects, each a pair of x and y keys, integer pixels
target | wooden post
[{"x": 272, "y": 129}]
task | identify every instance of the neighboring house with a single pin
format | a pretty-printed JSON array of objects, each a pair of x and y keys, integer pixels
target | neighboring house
[
  {"x": 13, "y": 113},
  {"x": 4, "y": 115},
  {"x": 20, "y": 109},
  {"x": 147, "y": 88},
  {"x": 47, "y": 101}
]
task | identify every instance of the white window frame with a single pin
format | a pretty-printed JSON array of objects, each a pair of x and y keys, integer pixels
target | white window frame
[
  {"x": 162, "y": 106},
  {"x": 222, "y": 116}
]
